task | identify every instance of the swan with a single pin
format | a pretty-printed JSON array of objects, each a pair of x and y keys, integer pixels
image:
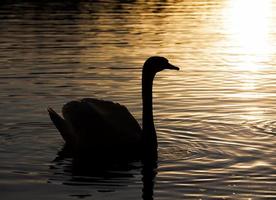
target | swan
[{"x": 104, "y": 129}]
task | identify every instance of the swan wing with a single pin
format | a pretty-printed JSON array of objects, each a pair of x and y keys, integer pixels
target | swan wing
[
  {"x": 102, "y": 123},
  {"x": 114, "y": 114}
]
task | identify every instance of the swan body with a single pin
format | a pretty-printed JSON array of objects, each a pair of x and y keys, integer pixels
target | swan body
[{"x": 101, "y": 129}]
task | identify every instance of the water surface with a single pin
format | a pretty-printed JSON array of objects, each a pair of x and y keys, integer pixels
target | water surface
[{"x": 215, "y": 119}]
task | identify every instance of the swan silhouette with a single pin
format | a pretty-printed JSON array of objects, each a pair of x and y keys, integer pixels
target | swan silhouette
[{"x": 107, "y": 130}]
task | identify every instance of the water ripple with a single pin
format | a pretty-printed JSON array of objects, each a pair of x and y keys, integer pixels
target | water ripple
[{"x": 215, "y": 118}]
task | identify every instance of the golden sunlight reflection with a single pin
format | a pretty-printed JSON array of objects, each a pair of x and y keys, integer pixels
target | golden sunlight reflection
[
  {"x": 248, "y": 24},
  {"x": 254, "y": 164}
]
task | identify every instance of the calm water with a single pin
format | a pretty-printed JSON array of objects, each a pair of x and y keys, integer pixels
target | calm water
[{"x": 216, "y": 118}]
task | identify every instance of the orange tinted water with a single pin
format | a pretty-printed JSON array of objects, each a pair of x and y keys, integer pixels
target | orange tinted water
[{"x": 215, "y": 119}]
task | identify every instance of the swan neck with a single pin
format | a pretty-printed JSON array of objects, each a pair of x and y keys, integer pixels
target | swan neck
[{"x": 149, "y": 134}]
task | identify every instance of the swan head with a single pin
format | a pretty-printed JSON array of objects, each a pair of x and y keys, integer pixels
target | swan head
[{"x": 156, "y": 64}]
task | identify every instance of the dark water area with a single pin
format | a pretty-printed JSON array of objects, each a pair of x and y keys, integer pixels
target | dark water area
[{"x": 215, "y": 118}]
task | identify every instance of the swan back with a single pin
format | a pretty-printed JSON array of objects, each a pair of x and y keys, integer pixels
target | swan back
[{"x": 102, "y": 125}]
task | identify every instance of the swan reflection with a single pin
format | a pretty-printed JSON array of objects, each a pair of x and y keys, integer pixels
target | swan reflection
[{"x": 103, "y": 177}]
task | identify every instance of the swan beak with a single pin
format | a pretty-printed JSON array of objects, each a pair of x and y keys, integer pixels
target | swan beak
[{"x": 170, "y": 66}]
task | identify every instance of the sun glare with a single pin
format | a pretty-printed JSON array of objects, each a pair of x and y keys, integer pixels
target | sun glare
[{"x": 248, "y": 23}]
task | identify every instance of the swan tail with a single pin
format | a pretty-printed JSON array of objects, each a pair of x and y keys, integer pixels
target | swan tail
[{"x": 61, "y": 125}]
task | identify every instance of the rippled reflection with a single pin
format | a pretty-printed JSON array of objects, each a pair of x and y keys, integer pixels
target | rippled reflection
[{"x": 215, "y": 119}]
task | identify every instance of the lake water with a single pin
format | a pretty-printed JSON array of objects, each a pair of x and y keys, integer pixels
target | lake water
[{"x": 215, "y": 119}]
